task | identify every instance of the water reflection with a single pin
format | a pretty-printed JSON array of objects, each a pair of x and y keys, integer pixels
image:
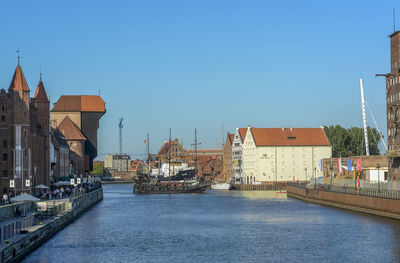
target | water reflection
[{"x": 226, "y": 226}]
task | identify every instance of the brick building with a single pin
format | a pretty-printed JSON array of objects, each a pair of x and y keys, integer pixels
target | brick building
[
  {"x": 393, "y": 107},
  {"x": 84, "y": 113},
  {"x": 172, "y": 150},
  {"x": 227, "y": 157},
  {"x": 24, "y": 135}
]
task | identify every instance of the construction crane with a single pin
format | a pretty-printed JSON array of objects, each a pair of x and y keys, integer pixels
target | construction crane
[{"x": 120, "y": 126}]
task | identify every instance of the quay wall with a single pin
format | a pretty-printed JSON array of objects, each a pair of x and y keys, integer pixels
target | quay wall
[
  {"x": 17, "y": 250},
  {"x": 365, "y": 204},
  {"x": 259, "y": 187}
]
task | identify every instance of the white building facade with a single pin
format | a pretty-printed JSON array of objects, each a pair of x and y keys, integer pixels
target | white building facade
[
  {"x": 237, "y": 144},
  {"x": 283, "y": 154}
]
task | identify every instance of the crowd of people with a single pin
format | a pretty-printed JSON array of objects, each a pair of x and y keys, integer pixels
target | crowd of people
[
  {"x": 58, "y": 192},
  {"x": 68, "y": 191}
]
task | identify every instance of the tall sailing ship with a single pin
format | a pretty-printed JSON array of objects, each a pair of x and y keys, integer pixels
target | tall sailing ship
[{"x": 183, "y": 181}]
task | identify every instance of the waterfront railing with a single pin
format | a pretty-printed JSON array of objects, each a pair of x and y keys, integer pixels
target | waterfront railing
[{"x": 380, "y": 193}]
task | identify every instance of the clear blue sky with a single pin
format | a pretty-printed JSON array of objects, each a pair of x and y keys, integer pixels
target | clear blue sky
[{"x": 187, "y": 64}]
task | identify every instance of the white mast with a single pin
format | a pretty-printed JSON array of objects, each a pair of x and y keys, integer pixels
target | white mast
[{"x": 364, "y": 118}]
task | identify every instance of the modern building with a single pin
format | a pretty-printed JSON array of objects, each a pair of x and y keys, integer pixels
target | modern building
[
  {"x": 237, "y": 147},
  {"x": 85, "y": 112},
  {"x": 283, "y": 154},
  {"x": 393, "y": 107},
  {"x": 117, "y": 162},
  {"x": 24, "y": 135}
]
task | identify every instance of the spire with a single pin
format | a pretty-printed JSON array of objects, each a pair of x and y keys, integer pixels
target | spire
[
  {"x": 18, "y": 81},
  {"x": 40, "y": 94},
  {"x": 18, "y": 55}
]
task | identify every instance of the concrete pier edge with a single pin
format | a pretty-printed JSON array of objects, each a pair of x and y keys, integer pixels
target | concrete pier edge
[
  {"x": 47, "y": 232},
  {"x": 354, "y": 208}
]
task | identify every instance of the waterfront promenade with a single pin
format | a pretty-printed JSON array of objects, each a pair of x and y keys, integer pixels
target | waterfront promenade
[
  {"x": 225, "y": 226},
  {"x": 23, "y": 232}
]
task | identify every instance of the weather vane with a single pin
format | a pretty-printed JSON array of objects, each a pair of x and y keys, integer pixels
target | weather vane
[{"x": 18, "y": 55}]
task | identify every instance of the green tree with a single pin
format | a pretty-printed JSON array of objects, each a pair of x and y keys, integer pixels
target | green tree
[
  {"x": 350, "y": 142},
  {"x": 98, "y": 169}
]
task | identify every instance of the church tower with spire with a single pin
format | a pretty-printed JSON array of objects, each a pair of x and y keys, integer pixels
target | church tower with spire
[
  {"x": 42, "y": 105},
  {"x": 24, "y": 136},
  {"x": 20, "y": 129}
]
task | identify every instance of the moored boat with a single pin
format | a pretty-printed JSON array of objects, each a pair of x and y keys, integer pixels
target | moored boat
[
  {"x": 155, "y": 186},
  {"x": 221, "y": 186}
]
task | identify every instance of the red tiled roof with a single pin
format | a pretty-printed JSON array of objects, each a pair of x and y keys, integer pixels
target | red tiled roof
[
  {"x": 70, "y": 131},
  {"x": 242, "y": 132},
  {"x": 164, "y": 148},
  {"x": 290, "y": 137},
  {"x": 40, "y": 94},
  {"x": 18, "y": 81},
  {"x": 85, "y": 103},
  {"x": 231, "y": 136}
]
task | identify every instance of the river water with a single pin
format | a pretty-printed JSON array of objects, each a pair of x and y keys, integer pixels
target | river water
[{"x": 227, "y": 226}]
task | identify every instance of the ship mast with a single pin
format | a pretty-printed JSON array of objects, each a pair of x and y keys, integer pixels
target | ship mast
[
  {"x": 169, "y": 156},
  {"x": 195, "y": 147},
  {"x": 364, "y": 118},
  {"x": 223, "y": 153},
  {"x": 148, "y": 154}
]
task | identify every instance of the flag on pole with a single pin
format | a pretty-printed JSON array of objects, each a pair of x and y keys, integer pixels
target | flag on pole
[
  {"x": 359, "y": 164},
  {"x": 339, "y": 165},
  {"x": 349, "y": 168},
  {"x": 320, "y": 165},
  {"x": 145, "y": 141}
]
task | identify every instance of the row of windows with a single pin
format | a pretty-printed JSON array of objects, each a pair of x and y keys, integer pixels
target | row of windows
[
  {"x": 392, "y": 132},
  {"x": 393, "y": 98},
  {"x": 394, "y": 81},
  {"x": 392, "y": 147}
]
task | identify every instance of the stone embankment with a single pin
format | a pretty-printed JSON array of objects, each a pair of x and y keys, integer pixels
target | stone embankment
[
  {"x": 259, "y": 187},
  {"x": 385, "y": 204},
  {"x": 58, "y": 214}
]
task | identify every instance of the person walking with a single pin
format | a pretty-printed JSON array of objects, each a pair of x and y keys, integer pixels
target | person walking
[{"x": 5, "y": 199}]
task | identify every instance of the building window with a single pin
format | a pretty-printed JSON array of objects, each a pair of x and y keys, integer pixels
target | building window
[
  {"x": 5, "y": 173},
  {"x": 5, "y": 157},
  {"x": 5, "y": 144},
  {"x": 3, "y": 108},
  {"x": 25, "y": 134},
  {"x": 3, "y": 118},
  {"x": 25, "y": 115}
]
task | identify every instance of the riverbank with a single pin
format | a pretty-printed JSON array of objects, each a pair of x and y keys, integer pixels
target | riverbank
[
  {"x": 388, "y": 206},
  {"x": 30, "y": 238},
  {"x": 259, "y": 187},
  {"x": 117, "y": 182}
]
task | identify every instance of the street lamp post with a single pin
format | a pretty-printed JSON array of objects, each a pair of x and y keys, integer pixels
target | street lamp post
[
  {"x": 315, "y": 177},
  {"x": 305, "y": 172},
  {"x": 379, "y": 179}
]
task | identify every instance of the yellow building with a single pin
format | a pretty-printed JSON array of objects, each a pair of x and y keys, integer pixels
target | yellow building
[{"x": 283, "y": 154}]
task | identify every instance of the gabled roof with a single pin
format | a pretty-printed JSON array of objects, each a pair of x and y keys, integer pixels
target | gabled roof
[
  {"x": 18, "y": 81},
  {"x": 164, "y": 148},
  {"x": 83, "y": 103},
  {"x": 242, "y": 133},
  {"x": 40, "y": 94},
  {"x": 70, "y": 131},
  {"x": 231, "y": 136},
  {"x": 289, "y": 137}
]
